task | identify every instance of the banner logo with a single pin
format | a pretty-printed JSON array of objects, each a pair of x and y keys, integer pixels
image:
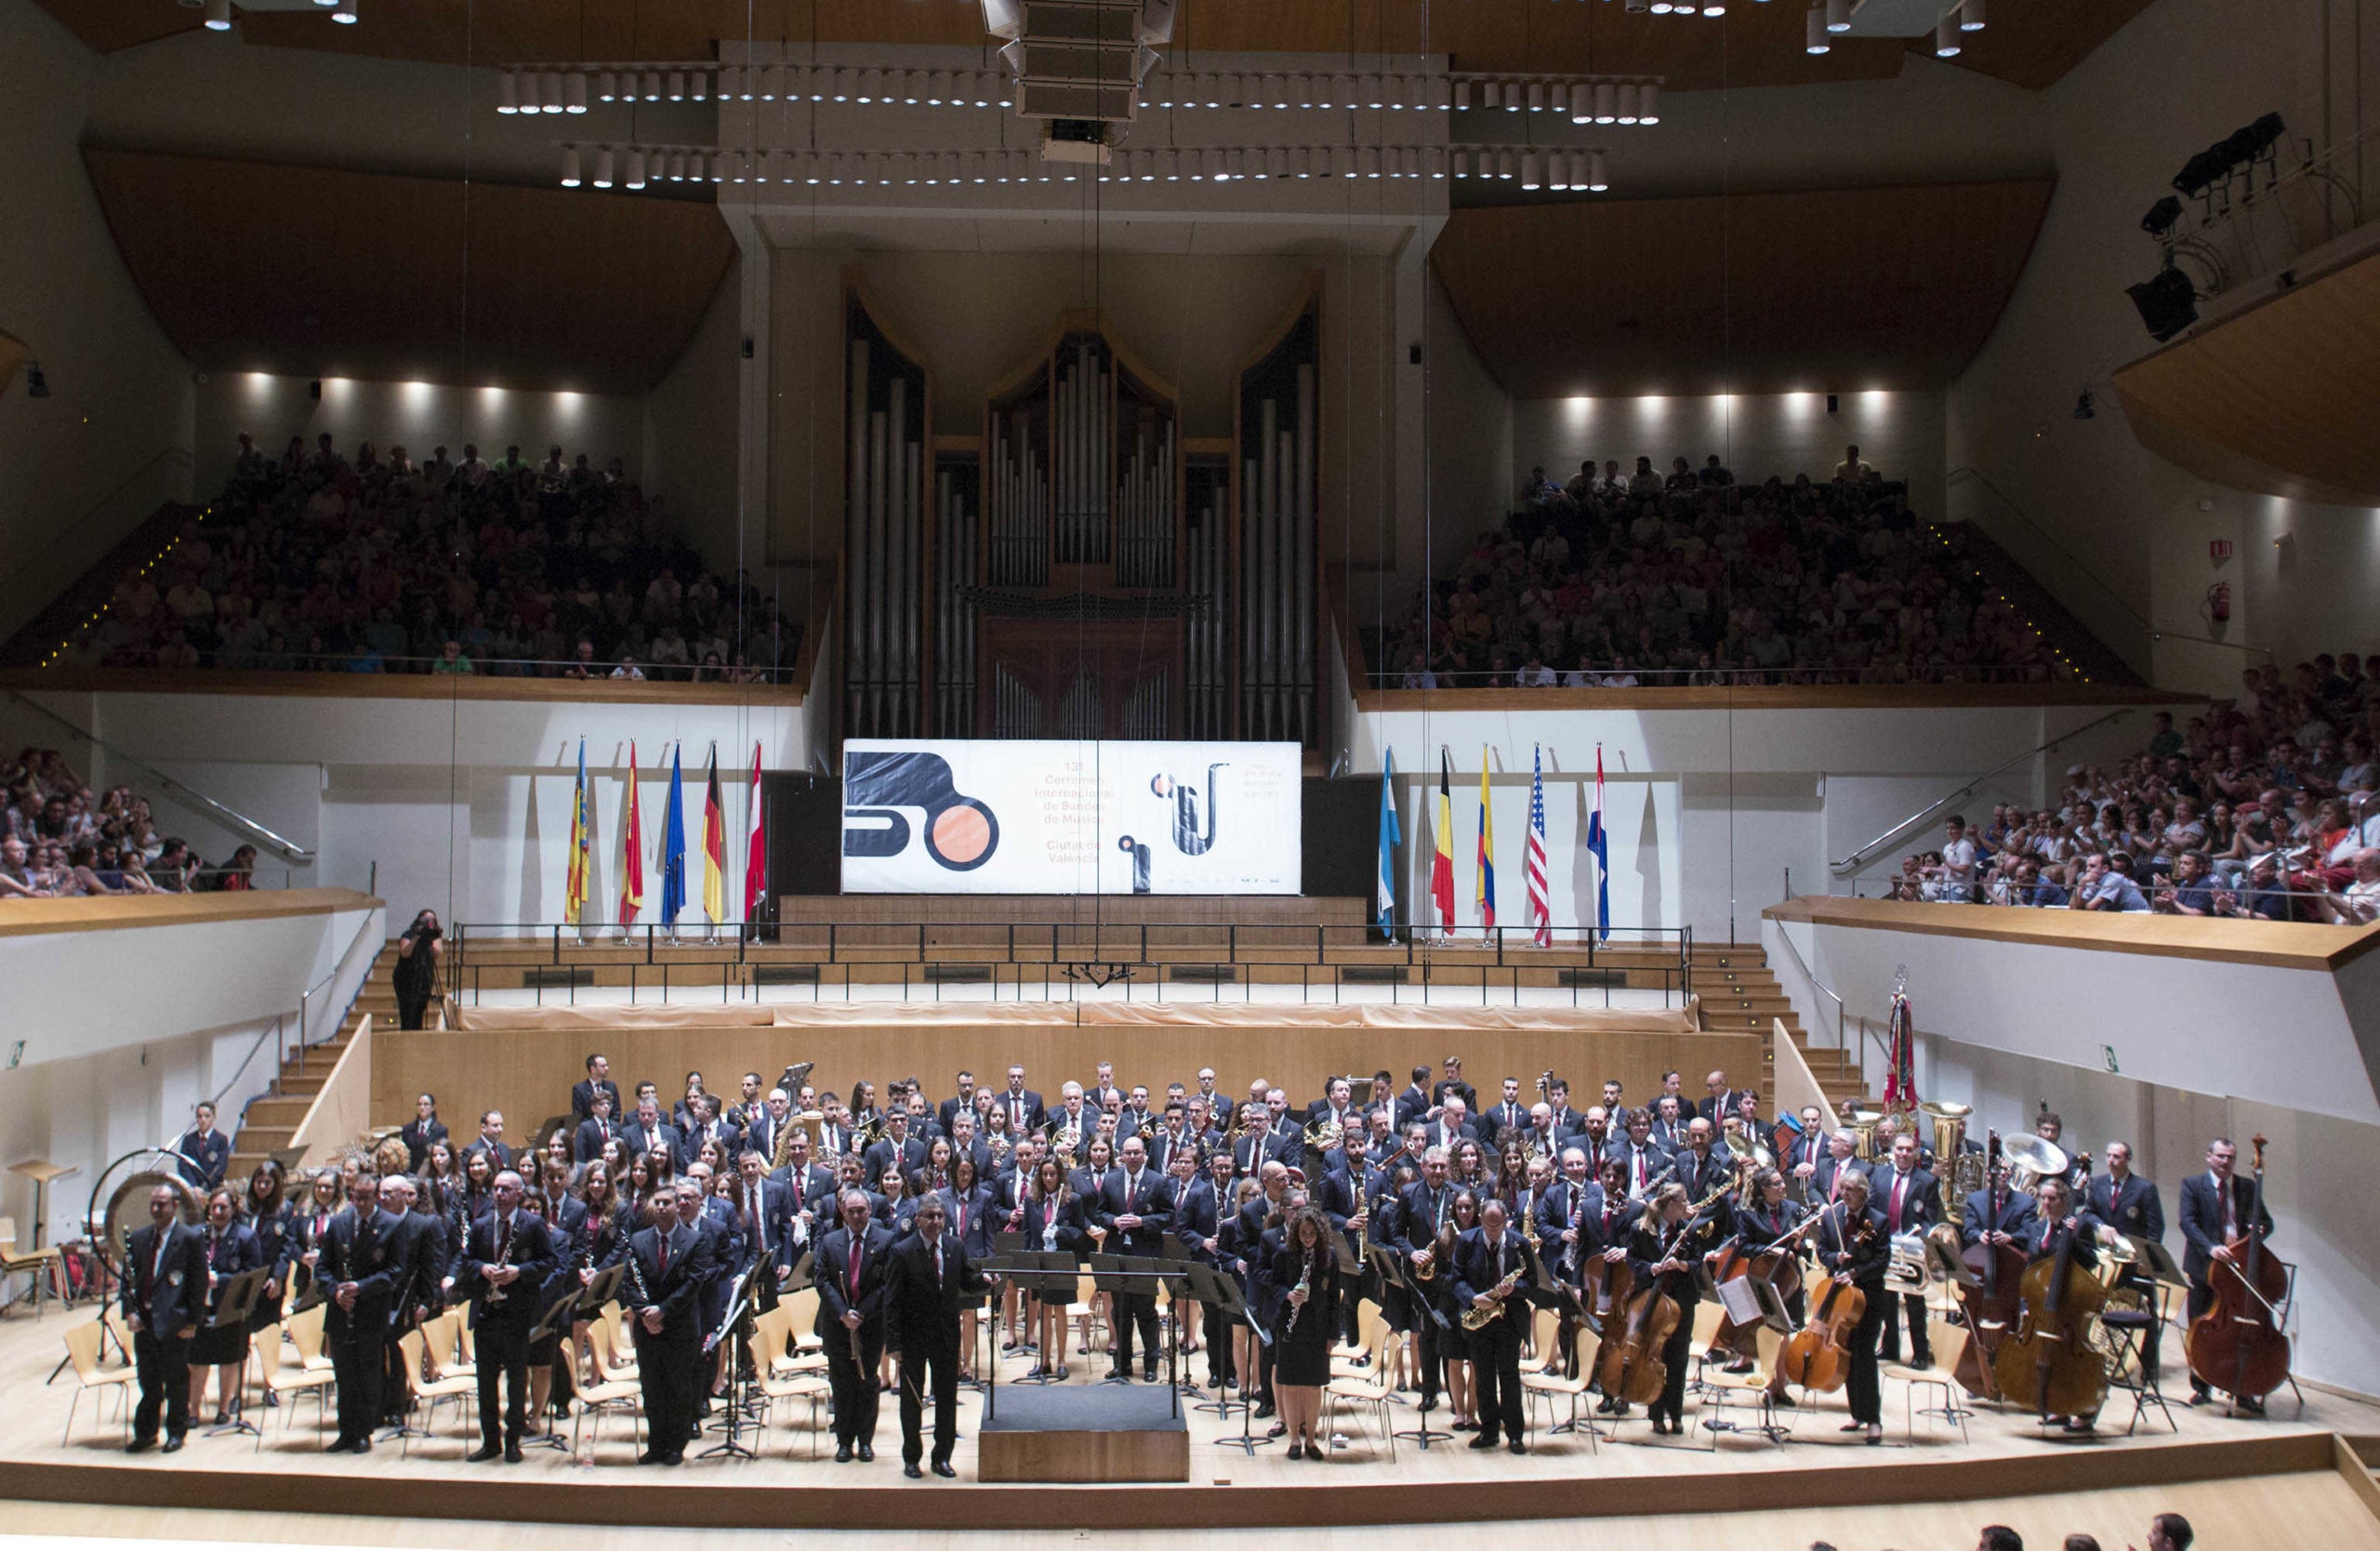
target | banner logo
[{"x": 961, "y": 832}]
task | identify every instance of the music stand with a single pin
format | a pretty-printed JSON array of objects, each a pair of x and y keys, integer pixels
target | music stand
[
  {"x": 1202, "y": 1279},
  {"x": 1233, "y": 1309},
  {"x": 237, "y": 1301},
  {"x": 559, "y": 1316},
  {"x": 1420, "y": 1432},
  {"x": 1035, "y": 1272},
  {"x": 1171, "y": 1266},
  {"x": 2165, "y": 1281},
  {"x": 736, "y": 1322},
  {"x": 604, "y": 1289}
]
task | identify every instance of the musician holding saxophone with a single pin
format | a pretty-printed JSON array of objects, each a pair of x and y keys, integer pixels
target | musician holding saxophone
[
  {"x": 1493, "y": 1270},
  {"x": 1308, "y": 1267}
]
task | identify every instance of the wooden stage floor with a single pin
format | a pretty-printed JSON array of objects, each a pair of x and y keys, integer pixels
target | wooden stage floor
[{"x": 1820, "y": 1474}]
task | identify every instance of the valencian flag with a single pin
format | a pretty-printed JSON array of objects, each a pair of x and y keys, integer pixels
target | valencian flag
[
  {"x": 581, "y": 836},
  {"x": 631, "y": 850},
  {"x": 1486, "y": 891},
  {"x": 1599, "y": 845},
  {"x": 1390, "y": 832},
  {"x": 673, "y": 845},
  {"x": 714, "y": 847},
  {"x": 1442, "y": 865},
  {"x": 756, "y": 847},
  {"x": 1541, "y": 904}
]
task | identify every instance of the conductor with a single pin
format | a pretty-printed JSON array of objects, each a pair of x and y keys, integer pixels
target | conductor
[{"x": 932, "y": 1274}]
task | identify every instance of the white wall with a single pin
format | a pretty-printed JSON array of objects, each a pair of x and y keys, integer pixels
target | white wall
[
  {"x": 1754, "y": 434},
  {"x": 79, "y": 468},
  {"x": 690, "y": 441},
  {"x": 1472, "y": 446},
  {"x": 2119, "y": 534}
]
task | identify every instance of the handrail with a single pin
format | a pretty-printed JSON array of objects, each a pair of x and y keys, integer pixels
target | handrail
[
  {"x": 1865, "y": 855},
  {"x": 287, "y": 850},
  {"x": 337, "y": 969},
  {"x": 1842, "y": 1012},
  {"x": 28, "y": 570},
  {"x": 1965, "y": 471},
  {"x": 241, "y": 1070}
]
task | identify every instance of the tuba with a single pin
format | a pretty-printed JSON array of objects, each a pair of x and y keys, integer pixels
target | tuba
[
  {"x": 1863, "y": 1125},
  {"x": 1961, "y": 1172}
]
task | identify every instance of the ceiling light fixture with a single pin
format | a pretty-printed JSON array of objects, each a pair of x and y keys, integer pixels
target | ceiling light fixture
[
  {"x": 1599, "y": 173},
  {"x": 1532, "y": 170},
  {"x": 1817, "y": 41},
  {"x": 344, "y": 13},
  {"x": 218, "y": 16},
  {"x": 1838, "y": 16},
  {"x": 603, "y": 166},
  {"x": 570, "y": 166},
  {"x": 1649, "y": 103},
  {"x": 1971, "y": 16},
  {"x": 636, "y": 171},
  {"x": 1606, "y": 102},
  {"x": 507, "y": 93},
  {"x": 573, "y": 92},
  {"x": 1947, "y": 39}
]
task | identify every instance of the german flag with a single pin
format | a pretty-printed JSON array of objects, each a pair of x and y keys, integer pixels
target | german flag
[{"x": 714, "y": 847}]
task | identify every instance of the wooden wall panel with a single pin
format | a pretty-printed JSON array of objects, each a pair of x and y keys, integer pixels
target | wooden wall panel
[
  {"x": 1829, "y": 290},
  {"x": 319, "y": 273},
  {"x": 528, "y": 1073},
  {"x": 2030, "y": 43},
  {"x": 2277, "y": 399}
]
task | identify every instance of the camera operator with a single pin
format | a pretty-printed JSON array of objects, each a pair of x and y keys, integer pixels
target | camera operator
[{"x": 418, "y": 952}]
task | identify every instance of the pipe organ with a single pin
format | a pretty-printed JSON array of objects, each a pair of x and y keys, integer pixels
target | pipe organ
[
  {"x": 886, "y": 421},
  {"x": 1276, "y": 457},
  {"x": 1080, "y": 568}
]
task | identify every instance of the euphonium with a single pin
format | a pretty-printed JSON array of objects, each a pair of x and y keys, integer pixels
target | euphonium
[{"x": 1323, "y": 1138}]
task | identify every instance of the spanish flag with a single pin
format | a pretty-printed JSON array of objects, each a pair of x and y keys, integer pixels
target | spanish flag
[
  {"x": 1442, "y": 865},
  {"x": 632, "y": 851},
  {"x": 580, "y": 835},
  {"x": 714, "y": 848},
  {"x": 1486, "y": 897}
]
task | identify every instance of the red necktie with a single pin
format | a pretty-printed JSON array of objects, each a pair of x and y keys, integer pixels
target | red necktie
[
  {"x": 662, "y": 1242},
  {"x": 1900, "y": 1193},
  {"x": 854, "y": 1270}
]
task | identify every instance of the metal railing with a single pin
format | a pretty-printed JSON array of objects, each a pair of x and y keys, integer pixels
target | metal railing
[
  {"x": 239, "y": 823},
  {"x": 1739, "y": 676},
  {"x": 1073, "y": 956},
  {"x": 777, "y": 668},
  {"x": 1891, "y": 836},
  {"x": 1856, "y": 1057}
]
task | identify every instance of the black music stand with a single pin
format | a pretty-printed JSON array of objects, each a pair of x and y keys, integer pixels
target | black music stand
[
  {"x": 1035, "y": 1271},
  {"x": 2130, "y": 1328},
  {"x": 1202, "y": 1281},
  {"x": 1233, "y": 1308},
  {"x": 232, "y": 1306},
  {"x": 734, "y": 1325},
  {"x": 1172, "y": 1268},
  {"x": 1420, "y": 1432},
  {"x": 602, "y": 1288},
  {"x": 557, "y": 1321}
]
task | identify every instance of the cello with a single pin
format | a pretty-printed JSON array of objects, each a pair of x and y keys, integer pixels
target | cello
[
  {"x": 1817, "y": 1357},
  {"x": 1991, "y": 1306},
  {"x": 1780, "y": 1264},
  {"x": 2049, "y": 1355},
  {"x": 2237, "y": 1346},
  {"x": 1630, "y": 1367}
]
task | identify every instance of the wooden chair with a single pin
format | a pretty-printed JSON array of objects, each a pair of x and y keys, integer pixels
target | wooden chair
[
  {"x": 1949, "y": 1343},
  {"x": 42, "y": 1265},
  {"x": 84, "y": 1349},
  {"x": 1548, "y": 1379},
  {"x": 1728, "y": 1390},
  {"x": 620, "y": 1350},
  {"x": 614, "y": 1388},
  {"x": 770, "y": 1333},
  {"x": 435, "y": 1345},
  {"x": 801, "y": 1319},
  {"x": 1364, "y": 1358},
  {"x": 286, "y": 1383},
  {"x": 1368, "y": 1385},
  {"x": 306, "y": 1333}
]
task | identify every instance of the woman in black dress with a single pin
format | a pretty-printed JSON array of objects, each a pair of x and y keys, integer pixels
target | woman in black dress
[
  {"x": 1052, "y": 1226},
  {"x": 1854, "y": 1247},
  {"x": 273, "y": 1220},
  {"x": 1308, "y": 1271},
  {"x": 230, "y": 1249},
  {"x": 1656, "y": 1255},
  {"x": 1454, "y": 1345},
  {"x": 967, "y": 1206}
]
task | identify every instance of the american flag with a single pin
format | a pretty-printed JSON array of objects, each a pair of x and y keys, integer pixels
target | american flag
[{"x": 1540, "y": 906}]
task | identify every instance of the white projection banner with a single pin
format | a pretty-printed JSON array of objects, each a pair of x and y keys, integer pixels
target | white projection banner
[{"x": 1070, "y": 817}]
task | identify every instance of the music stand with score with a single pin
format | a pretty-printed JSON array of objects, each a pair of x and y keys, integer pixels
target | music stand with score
[{"x": 238, "y": 1300}]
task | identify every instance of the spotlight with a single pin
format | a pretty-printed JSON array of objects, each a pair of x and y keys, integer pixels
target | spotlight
[
  {"x": 1598, "y": 174},
  {"x": 1971, "y": 17},
  {"x": 1648, "y": 103},
  {"x": 1532, "y": 170},
  {"x": 2083, "y": 407},
  {"x": 218, "y": 16},
  {"x": 570, "y": 166},
  {"x": 1624, "y": 110},
  {"x": 549, "y": 92},
  {"x": 1817, "y": 41},
  {"x": 677, "y": 85},
  {"x": 603, "y": 166},
  {"x": 1557, "y": 171},
  {"x": 1838, "y": 16},
  {"x": 2161, "y": 217},
  {"x": 635, "y": 178},
  {"x": 574, "y": 93},
  {"x": 1581, "y": 102},
  {"x": 1947, "y": 42},
  {"x": 2168, "y": 304},
  {"x": 1606, "y": 102},
  {"x": 345, "y": 12}
]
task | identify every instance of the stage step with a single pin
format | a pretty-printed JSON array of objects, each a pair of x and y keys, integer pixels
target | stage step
[{"x": 273, "y": 1119}]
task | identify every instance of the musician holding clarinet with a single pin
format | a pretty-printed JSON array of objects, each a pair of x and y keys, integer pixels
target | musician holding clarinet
[
  {"x": 667, "y": 1269},
  {"x": 505, "y": 1264},
  {"x": 853, "y": 1265}
]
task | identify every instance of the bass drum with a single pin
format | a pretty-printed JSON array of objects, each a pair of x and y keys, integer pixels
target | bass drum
[{"x": 128, "y": 1209}]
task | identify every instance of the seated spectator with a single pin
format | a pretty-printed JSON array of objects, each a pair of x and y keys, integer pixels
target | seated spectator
[
  {"x": 2107, "y": 885},
  {"x": 1851, "y": 471},
  {"x": 629, "y": 669},
  {"x": 451, "y": 659}
]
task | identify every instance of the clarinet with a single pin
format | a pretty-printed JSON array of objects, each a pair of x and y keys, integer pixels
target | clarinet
[{"x": 503, "y": 1258}]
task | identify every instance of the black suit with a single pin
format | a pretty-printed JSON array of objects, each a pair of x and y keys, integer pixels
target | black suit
[
  {"x": 1027, "y": 1104},
  {"x": 1150, "y": 1199},
  {"x": 499, "y": 1157},
  {"x": 1498, "y": 1119},
  {"x": 418, "y": 1135},
  {"x": 2206, "y": 1229},
  {"x": 1478, "y": 1269},
  {"x": 2135, "y": 1211},
  {"x": 582, "y": 1099},
  {"x": 163, "y": 1297},
  {"x": 1463, "y": 1091},
  {"x": 1919, "y": 1207},
  {"x": 921, "y": 1303},
  {"x": 370, "y": 1252},
  {"x": 852, "y": 1279},
  {"x": 588, "y": 1144},
  {"x": 668, "y": 1269},
  {"x": 502, "y": 1316},
  {"x": 663, "y": 1134}
]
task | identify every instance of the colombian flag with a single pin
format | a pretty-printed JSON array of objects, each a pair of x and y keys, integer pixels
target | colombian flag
[
  {"x": 1442, "y": 865},
  {"x": 1486, "y": 899},
  {"x": 632, "y": 851},
  {"x": 714, "y": 848}
]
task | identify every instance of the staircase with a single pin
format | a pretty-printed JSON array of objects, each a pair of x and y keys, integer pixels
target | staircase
[
  {"x": 272, "y": 1120},
  {"x": 1740, "y": 994}
]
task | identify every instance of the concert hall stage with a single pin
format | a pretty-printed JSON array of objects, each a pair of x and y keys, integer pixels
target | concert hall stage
[{"x": 2211, "y": 1465}]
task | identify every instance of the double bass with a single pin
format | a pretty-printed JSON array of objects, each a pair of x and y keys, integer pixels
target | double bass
[
  {"x": 2049, "y": 1355},
  {"x": 1780, "y": 1264},
  {"x": 1817, "y": 1357},
  {"x": 2237, "y": 1346},
  {"x": 1991, "y": 1306}
]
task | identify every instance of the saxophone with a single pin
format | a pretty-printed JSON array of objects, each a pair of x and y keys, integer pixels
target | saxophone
[{"x": 1480, "y": 1319}]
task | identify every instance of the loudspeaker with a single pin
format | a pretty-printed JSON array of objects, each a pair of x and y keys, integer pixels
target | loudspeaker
[{"x": 2168, "y": 304}]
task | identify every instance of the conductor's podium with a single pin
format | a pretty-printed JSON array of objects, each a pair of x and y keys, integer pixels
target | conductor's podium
[{"x": 1105, "y": 1432}]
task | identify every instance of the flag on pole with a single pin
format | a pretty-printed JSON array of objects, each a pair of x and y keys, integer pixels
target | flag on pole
[
  {"x": 714, "y": 847},
  {"x": 1599, "y": 845},
  {"x": 1541, "y": 904},
  {"x": 1484, "y": 894},
  {"x": 632, "y": 851},
  {"x": 673, "y": 845},
  {"x": 756, "y": 847},
  {"x": 1385, "y": 894},
  {"x": 1442, "y": 864},
  {"x": 580, "y": 836}
]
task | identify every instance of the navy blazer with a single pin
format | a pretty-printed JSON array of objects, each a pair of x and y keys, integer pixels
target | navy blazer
[
  {"x": 834, "y": 1274},
  {"x": 2014, "y": 1217},
  {"x": 166, "y": 1295},
  {"x": 1475, "y": 1270},
  {"x": 204, "y": 1157},
  {"x": 531, "y": 1248},
  {"x": 2136, "y": 1211},
  {"x": 373, "y": 1255},
  {"x": 1195, "y": 1220},
  {"x": 677, "y": 1291},
  {"x": 1921, "y": 1207},
  {"x": 2202, "y": 1218},
  {"x": 1152, "y": 1202}
]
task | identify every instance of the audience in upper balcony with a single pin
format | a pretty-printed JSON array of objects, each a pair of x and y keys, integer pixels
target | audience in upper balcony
[
  {"x": 1612, "y": 582},
  {"x": 2229, "y": 815},
  {"x": 317, "y": 563}
]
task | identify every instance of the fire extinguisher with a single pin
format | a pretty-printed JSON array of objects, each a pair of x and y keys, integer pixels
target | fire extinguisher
[{"x": 2218, "y": 601}]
